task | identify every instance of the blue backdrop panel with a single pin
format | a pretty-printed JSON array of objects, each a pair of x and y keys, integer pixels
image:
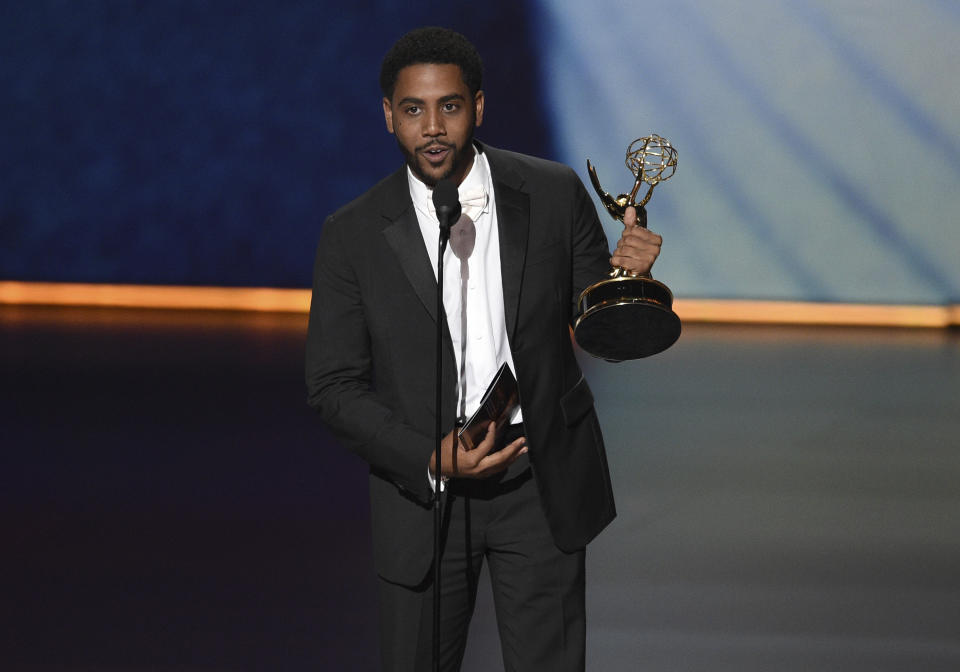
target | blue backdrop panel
[{"x": 203, "y": 142}]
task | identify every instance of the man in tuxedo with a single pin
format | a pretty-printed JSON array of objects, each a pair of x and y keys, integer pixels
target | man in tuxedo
[{"x": 530, "y": 496}]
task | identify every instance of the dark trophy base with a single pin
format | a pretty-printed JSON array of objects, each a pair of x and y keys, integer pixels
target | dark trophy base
[{"x": 626, "y": 318}]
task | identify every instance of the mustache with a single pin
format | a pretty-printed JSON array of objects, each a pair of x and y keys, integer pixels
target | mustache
[{"x": 436, "y": 143}]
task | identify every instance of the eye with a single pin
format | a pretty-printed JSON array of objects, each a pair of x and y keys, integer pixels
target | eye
[
  {"x": 413, "y": 110},
  {"x": 450, "y": 107}
]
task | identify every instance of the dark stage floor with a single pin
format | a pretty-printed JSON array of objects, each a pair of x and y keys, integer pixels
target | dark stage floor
[{"x": 789, "y": 500}]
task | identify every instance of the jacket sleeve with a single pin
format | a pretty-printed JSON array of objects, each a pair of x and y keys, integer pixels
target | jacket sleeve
[
  {"x": 340, "y": 372},
  {"x": 591, "y": 252}
]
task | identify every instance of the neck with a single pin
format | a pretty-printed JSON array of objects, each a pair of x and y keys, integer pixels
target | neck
[{"x": 468, "y": 159}]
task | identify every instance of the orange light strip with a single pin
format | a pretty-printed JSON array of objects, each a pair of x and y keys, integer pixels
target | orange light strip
[
  {"x": 298, "y": 301},
  {"x": 156, "y": 296},
  {"x": 797, "y": 312}
]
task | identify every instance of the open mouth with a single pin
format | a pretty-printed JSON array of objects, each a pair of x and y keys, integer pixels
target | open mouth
[{"x": 436, "y": 153}]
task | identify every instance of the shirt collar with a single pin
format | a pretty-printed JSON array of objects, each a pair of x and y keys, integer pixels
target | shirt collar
[{"x": 478, "y": 177}]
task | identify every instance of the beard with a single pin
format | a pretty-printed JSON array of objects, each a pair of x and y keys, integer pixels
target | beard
[{"x": 458, "y": 160}]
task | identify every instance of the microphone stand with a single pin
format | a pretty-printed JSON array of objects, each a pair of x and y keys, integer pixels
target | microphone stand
[
  {"x": 448, "y": 211},
  {"x": 437, "y": 480}
]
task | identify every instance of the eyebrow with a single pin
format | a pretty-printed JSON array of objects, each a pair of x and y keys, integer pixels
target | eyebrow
[{"x": 421, "y": 101}]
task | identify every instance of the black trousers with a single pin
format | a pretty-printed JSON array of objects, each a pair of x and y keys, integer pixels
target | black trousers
[{"x": 538, "y": 590}]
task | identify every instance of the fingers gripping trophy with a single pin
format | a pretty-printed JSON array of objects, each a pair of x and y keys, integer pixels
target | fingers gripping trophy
[{"x": 629, "y": 315}]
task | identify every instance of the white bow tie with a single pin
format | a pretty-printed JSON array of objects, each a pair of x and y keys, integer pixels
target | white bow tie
[{"x": 472, "y": 202}]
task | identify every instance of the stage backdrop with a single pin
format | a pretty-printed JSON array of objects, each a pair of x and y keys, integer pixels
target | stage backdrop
[{"x": 188, "y": 142}]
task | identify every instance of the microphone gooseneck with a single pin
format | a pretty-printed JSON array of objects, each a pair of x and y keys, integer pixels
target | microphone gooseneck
[{"x": 446, "y": 200}]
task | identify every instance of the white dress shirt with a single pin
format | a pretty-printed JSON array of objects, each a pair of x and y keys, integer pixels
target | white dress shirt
[
  {"x": 483, "y": 348},
  {"x": 481, "y": 351}
]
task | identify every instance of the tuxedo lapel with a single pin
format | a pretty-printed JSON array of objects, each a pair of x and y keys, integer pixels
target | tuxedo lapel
[
  {"x": 403, "y": 235},
  {"x": 513, "y": 222}
]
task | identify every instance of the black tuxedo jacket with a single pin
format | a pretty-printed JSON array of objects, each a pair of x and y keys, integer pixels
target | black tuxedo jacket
[{"x": 371, "y": 351}]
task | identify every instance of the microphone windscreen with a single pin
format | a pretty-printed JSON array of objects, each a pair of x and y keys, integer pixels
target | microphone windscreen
[{"x": 446, "y": 200}]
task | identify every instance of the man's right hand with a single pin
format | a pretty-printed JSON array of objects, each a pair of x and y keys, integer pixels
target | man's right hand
[{"x": 479, "y": 462}]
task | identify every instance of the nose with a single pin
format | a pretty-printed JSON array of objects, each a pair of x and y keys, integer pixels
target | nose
[{"x": 433, "y": 124}]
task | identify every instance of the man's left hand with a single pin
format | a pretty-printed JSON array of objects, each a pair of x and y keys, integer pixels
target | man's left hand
[{"x": 638, "y": 247}]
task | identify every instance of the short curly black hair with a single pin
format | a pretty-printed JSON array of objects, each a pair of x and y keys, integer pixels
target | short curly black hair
[{"x": 431, "y": 44}]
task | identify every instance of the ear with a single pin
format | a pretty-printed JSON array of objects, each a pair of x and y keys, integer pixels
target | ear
[
  {"x": 478, "y": 107},
  {"x": 388, "y": 114}
]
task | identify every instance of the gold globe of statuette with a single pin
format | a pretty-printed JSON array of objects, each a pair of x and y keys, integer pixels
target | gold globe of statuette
[
  {"x": 653, "y": 158},
  {"x": 629, "y": 315}
]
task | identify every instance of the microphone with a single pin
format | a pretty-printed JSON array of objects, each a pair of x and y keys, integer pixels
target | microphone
[{"x": 446, "y": 200}]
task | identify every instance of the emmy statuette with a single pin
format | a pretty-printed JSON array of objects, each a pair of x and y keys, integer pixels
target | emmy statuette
[{"x": 629, "y": 315}]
